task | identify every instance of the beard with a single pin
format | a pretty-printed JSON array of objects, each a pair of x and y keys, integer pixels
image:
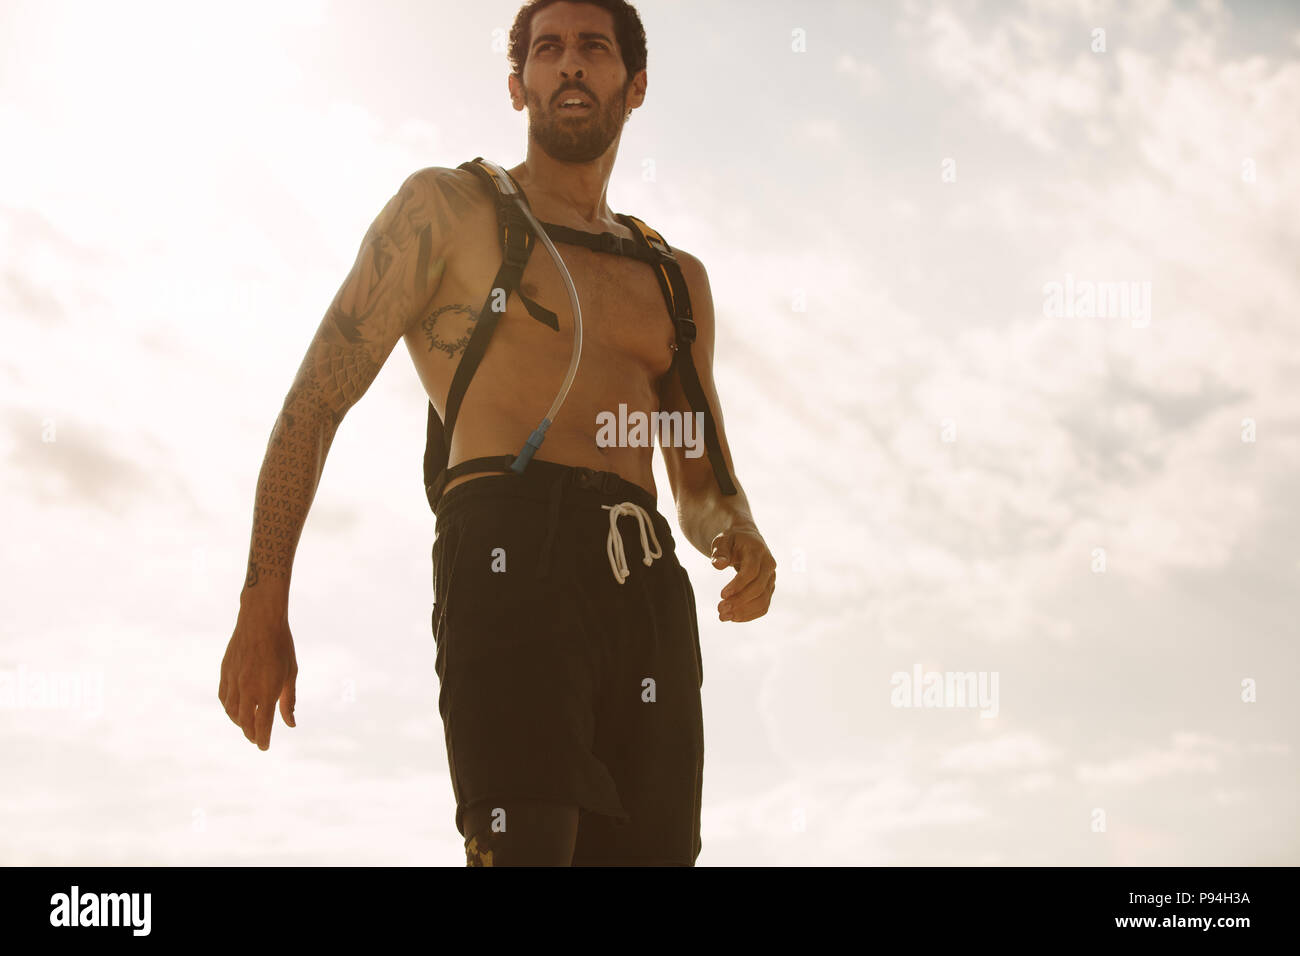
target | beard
[{"x": 571, "y": 138}]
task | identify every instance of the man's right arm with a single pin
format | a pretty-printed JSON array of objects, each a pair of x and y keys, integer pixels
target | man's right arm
[
  {"x": 392, "y": 284},
  {"x": 396, "y": 274}
]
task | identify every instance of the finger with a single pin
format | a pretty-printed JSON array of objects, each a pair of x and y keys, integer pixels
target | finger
[
  {"x": 720, "y": 553},
  {"x": 231, "y": 704},
  {"x": 755, "y": 606},
  {"x": 288, "y": 696},
  {"x": 747, "y": 571},
  {"x": 751, "y": 610},
  {"x": 739, "y": 592},
  {"x": 263, "y": 721},
  {"x": 247, "y": 713},
  {"x": 227, "y": 685}
]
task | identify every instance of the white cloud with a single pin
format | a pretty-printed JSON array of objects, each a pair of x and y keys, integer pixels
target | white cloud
[
  {"x": 865, "y": 75},
  {"x": 1006, "y": 752},
  {"x": 1188, "y": 753}
]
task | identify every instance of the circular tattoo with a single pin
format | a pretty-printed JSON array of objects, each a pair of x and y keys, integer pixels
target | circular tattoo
[{"x": 435, "y": 342}]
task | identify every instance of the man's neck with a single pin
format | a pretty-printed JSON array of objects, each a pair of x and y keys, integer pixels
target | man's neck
[{"x": 575, "y": 190}]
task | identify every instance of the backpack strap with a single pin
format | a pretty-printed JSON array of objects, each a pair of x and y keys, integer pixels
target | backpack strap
[
  {"x": 517, "y": 241},
  {"x": 601, "y": 242},
  {"x": 673, "y": 285}
]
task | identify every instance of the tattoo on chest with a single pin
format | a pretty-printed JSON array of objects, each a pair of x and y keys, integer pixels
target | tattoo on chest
[{"x": 443, "y": 335}]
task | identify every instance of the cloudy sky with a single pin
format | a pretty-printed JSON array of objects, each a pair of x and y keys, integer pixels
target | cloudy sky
[{"x": 1088, "y": 506}]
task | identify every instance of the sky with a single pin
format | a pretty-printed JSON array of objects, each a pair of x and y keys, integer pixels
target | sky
[{"x": 963, "y": 461}]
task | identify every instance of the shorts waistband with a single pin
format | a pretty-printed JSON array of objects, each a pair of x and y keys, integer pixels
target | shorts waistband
[
  {"x": 552, "y": 482},
  {"x": 539, "y": 478}
]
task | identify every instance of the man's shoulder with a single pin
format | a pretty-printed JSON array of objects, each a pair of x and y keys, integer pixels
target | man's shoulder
[
  {"x": 453, "y": 186},
  {"x": 692, "y": 268},
  {"x": 693, "y": 271},
  {"x": 687, "y": 261},
  {"x": 452, "y": 202},
  {"x": 696, "y": 278}
]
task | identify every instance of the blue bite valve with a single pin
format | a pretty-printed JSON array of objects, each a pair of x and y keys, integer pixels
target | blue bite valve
[{"x": 530, "y": 447}]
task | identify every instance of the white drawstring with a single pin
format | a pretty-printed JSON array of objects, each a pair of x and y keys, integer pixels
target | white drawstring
[{"x": 614, "y": 544}]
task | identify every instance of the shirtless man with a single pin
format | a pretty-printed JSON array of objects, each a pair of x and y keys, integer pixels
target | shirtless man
[{"x": 569, "y": 678}]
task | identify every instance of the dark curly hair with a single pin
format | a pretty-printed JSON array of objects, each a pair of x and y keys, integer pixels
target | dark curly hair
[{"x": 628, "y": 31}]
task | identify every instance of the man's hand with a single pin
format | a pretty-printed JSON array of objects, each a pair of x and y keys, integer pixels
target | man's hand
[
  {"x": 749, "y": 593},
  {"x": 258, "y": 668}
]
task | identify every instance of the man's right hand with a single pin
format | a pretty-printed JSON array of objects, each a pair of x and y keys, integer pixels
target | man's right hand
[{"x": 258, "y": 668}]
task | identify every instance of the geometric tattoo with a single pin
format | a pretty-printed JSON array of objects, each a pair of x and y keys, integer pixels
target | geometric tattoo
[{"x": 398, "y": 269}]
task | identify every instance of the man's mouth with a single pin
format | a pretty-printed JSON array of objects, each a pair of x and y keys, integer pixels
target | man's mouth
[{"x": 572, "y": 103}]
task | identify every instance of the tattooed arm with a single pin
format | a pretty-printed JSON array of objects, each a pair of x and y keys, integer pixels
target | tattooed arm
[{"x": 396, "y": 274}]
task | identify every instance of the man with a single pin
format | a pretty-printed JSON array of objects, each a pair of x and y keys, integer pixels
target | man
[{"x": 570, "y": 682}]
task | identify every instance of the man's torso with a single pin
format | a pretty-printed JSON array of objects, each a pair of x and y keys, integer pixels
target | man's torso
[{"x": 626, "y": 347}]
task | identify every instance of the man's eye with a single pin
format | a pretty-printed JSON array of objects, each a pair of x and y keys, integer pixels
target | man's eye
[{"x": 599, "y": 44}]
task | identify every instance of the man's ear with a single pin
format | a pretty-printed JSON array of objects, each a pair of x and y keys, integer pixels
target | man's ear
[
  {"x": 636, "y": 96},
  {"x": 517, "y": 98}
]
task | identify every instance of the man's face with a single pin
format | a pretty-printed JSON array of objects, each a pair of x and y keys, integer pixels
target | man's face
[{"x": 572, "y": 53}]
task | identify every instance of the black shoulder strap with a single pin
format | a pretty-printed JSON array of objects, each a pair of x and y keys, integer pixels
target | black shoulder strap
[
  {"x": 517, "y": 239},
  {"x": 671, "y": 282},
  {"x": 517, "y": 242},
  {"x": 601, "y": 242}
]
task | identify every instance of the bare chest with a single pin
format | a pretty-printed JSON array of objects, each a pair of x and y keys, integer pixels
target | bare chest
[
  {"x": 623, "y": 308},
  {"x": 627, "y": 343}
]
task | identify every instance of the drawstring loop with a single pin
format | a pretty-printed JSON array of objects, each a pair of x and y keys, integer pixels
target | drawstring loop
[
  {"x": 614, "y": 543},
  {"x": 614, "y": 549}
]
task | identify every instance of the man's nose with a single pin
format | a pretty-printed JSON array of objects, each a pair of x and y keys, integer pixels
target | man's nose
[{"x": 571, "y": 63}]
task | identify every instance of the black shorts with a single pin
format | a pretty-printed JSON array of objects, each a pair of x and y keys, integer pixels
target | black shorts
[{"x": 558, "y": 683}]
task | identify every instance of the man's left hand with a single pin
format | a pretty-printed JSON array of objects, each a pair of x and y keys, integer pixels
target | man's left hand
[{"x": 749, "y": 593}]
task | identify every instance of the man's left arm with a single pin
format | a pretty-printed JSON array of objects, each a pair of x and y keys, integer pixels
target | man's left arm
[{"x": 717, "y": 525}]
